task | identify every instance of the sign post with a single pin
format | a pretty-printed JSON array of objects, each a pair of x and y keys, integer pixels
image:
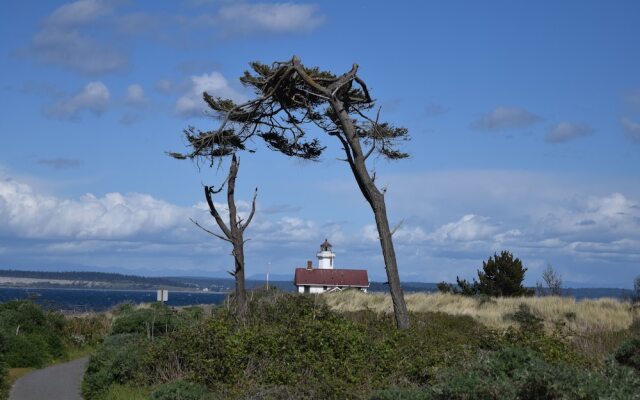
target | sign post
[{"x": 163, "y": 295}]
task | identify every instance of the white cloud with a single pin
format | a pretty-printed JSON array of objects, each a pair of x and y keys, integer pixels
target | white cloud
[
  {"x": 94, "y": 97},
  {"x": 135, "y": 95},
  {"x": 67, "y": 39},
  {"x": 503, "y": 118},
  {"x": 599, "y": 218},
  {"x": 192, "y": 104},
  {"x": 80, "y": 12},
  {"x": 468, "y": 228},
  {"x": 29, "y": 214},
  {"x": 565, "y": 131},
  {"x": 164, "y": 86},
  {"x": 246, "y": 19},
  {"x": 71, "y": 49},
  {"x": 631, "y": 128}
]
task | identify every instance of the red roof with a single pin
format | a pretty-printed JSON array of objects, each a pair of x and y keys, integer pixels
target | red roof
[{"x": 331, "y": 277}]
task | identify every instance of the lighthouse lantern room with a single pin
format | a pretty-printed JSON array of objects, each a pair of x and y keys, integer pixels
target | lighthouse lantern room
[{"x": 325, "y": 256}]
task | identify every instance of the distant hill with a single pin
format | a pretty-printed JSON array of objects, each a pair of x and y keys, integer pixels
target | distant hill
[
  {"x": 102, "y": 280},
  {"x": 85, "y": 279}
]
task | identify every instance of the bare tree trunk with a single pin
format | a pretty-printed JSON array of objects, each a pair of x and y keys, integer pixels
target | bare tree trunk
[
  {"x": 375, "y": 198},
  {"x": 389, "y": 254},
  {"x": 241, "y": 294},
  {"x": 234, "y": 233}
]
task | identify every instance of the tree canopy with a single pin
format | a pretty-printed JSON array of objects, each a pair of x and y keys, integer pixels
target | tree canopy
[{"x": 292, "y": 103}]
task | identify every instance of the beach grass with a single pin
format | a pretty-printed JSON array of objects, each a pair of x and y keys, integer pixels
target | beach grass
[{"x": 587, "y": 316}]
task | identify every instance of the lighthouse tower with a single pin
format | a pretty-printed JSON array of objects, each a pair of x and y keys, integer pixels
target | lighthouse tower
[{"x": 325, "y": 256}]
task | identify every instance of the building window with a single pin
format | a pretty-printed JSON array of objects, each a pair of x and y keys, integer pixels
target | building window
[{"x": 324, "y": 288}]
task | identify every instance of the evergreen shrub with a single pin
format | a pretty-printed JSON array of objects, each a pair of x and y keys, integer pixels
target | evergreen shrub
[{"x": 628, "y": 353}]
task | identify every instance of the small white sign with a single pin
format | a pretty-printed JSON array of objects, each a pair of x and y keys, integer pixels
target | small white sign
[{"x": 163, "y": 295}]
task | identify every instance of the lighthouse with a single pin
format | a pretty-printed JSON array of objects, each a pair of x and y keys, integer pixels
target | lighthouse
[
  {"x": 326, "y": 278},
  {"x": 325, "y": 256}
]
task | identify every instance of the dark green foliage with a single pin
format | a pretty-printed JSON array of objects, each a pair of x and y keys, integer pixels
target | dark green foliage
[
  {"x": 117, "y": 360},
  {"x": 153, "y": 321},
  {"x": 444, "y": 287},
  {"x": 4, "y": 378},
  {"x": 501, "y": 275},
  {"x": 31, "y": 336},
  {"x": 4, "y": 382},
  {"x": 292, "y": 346},
  {"x": 181, "y": 390},
  {"x": 526, "y": 319},
  {"x": 635, "y": 295},
  {"x": 628, "y": 353},
  {"x": 512, "y": 373},
  {"x": 25, "y": 351}
]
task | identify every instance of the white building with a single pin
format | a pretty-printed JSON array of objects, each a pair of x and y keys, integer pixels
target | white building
[{"x": 325, "y": 278}]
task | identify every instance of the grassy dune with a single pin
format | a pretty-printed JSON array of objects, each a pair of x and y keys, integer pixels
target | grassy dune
[{"x": 580, "y": 317}]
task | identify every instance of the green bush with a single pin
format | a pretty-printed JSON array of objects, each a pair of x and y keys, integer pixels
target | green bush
[
  {"x": 116, "y": 360},
  {"x": 628, "y": 354},
  {"x": 501, "y": 275},
  {"x": 181, "y": 390},
  {"x": 292, "y": 345},
  {"x": 31, "y": 336},
  {"x": 4, "y": 381},
  {"x": 24, "y": 351},
  {"x": 518, "y": 374},
  {"x": 153, "y": 321}
]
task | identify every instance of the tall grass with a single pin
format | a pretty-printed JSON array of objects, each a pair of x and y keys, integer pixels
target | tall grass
[{"x": 580, "y": 317}]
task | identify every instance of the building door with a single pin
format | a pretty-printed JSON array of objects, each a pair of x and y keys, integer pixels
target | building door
[{"x": 306, "y": 289}]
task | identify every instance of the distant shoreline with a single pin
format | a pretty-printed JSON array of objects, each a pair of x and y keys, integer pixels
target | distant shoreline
[{"x": 106, "y": 289}]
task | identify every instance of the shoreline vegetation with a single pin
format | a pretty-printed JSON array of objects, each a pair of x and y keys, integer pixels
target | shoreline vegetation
[
  {"x": 338, "y": 346},
  {"x": 345, "y": 346}
]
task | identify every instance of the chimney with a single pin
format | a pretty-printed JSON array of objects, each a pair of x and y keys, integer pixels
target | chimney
[{"x": 309, "y": 264}]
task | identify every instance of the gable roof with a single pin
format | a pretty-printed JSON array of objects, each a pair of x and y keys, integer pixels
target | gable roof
[{"x": 331, "y": 277}]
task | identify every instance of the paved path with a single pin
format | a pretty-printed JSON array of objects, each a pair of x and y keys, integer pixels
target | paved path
[{"x": 58, "y": 382}]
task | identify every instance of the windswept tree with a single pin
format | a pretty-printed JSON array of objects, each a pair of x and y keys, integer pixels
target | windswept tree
[
  {"x": 232, "y": 232},
  {"x": 501, "y": 276},
  {"x": 292, "y": 103}
]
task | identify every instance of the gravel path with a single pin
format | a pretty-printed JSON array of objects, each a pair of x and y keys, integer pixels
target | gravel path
[{"x": 58, "y": 382}]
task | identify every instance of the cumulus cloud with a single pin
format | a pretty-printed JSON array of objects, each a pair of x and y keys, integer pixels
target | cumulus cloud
[
  {"x": 135, "y": 95},
  {"x": 503, "y": 118},
  {"x": 191, "y": 103},
  {"x": 279, "y": 18},
  {"x": 468, "y": 228},
  {"x": 599, "y": 218},
  {"x": 29, "y": 214},
  {"x": 94, "y": 97},
  {"x": 565, "y": 131},
  {"x": 65, "y": 41},
  {"x": 133, "y": 223},
  {"x": 631, "y": 128},
  {"x": 60, "y": 163}
]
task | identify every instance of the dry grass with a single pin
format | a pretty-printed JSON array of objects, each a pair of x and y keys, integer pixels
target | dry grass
[{"x": 581, "y": 317}]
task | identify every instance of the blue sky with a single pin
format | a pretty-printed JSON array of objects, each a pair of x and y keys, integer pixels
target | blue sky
[{"x": 524, "y": 117}]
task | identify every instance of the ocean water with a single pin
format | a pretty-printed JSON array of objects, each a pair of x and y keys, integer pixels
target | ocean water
[{"x": 98, "y": 300}]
